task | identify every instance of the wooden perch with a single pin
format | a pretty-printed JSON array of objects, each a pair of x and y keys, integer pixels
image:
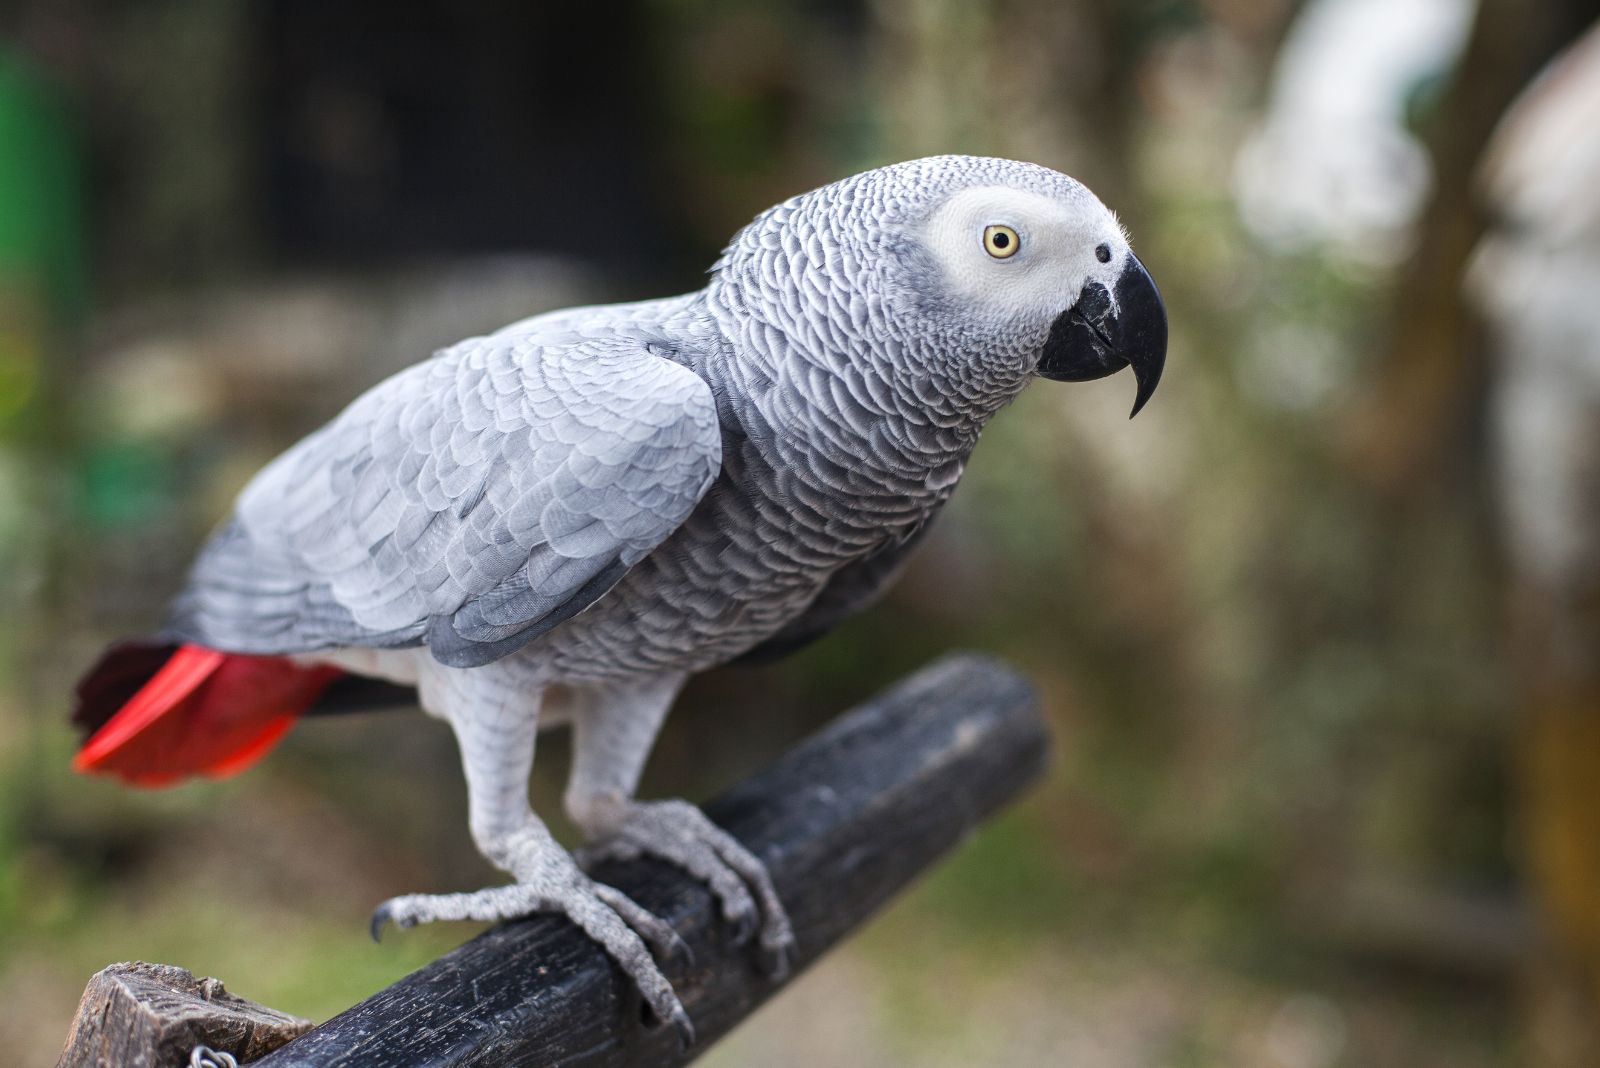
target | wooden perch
[
  {"x": 844, "y": 822},
  {"x": 154, "y": 1015}
]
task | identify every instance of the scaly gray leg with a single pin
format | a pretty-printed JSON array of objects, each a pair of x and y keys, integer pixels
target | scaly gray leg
[
  {"x": 496, "y": 729},
  {"x": 613, "y": 730}
]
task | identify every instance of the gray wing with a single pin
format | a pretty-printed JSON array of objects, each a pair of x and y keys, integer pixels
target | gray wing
[
  {"x": 470, "y": 503},
  {"x": 851, "y": 589}
]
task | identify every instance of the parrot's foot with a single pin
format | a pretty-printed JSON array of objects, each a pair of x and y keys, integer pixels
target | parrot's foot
[
  {"x": 678, "y": 832},
  {"x": 549, "y": 881}
]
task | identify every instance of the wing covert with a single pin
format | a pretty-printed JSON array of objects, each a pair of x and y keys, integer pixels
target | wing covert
[{"x": 470, "y": 503}]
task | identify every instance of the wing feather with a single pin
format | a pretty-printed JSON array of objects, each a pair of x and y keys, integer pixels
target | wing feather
[{"x": 469, "y": 503}]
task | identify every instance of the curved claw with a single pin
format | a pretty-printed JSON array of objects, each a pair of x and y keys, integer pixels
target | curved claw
[
  {"x": 677, "y": 1018},
  {"x": 744, "y": 927},
  {"x": 380, "y": 919},
  {"x": 678, "y": 951},
  {"x": 776, "y": 961},
  {"x": 384, "y": 915},
  {"x": 685, "y": 1029}
]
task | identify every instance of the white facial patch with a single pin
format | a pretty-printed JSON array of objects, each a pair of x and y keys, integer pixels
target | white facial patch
[{"x": 1055, "y": 256}]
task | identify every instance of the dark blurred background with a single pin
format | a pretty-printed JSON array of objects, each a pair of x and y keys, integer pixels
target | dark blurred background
[{"x": 1319, "y": 633}]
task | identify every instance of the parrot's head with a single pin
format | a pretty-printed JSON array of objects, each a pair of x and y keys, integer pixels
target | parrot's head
[
  {"x": 976, "y": 274},
  {"x": 1028, "y": 263}
]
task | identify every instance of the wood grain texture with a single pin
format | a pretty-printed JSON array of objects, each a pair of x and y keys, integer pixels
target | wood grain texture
[
  {"x": 844, "y": 822},
  {"x": 151, "y": 1015}
]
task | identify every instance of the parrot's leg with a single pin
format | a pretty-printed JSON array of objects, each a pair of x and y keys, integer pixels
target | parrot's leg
[
  {"x": 613, "y": 731},
  {"x": 497, "y": 743}
]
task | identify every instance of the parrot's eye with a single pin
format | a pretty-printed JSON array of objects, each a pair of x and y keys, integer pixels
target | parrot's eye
[
  {"x": 1001, "y": 242},
  {"x": 1103, "y": 253}
]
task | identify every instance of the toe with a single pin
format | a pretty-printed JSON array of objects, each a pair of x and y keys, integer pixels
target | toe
[
  {"x": 605, "y": 925},
  {"x": 738, "y": 907},
  {"x": 668, "y": 945}
]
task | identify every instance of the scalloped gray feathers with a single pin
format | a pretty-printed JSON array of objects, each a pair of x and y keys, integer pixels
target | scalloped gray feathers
[
  {"x": 852, "y": 588},
  {"x": 472, "y": 502}
]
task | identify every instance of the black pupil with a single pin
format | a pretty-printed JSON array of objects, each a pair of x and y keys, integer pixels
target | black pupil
[
  {"x": 1103, "y": 253},
  {"x": 1001, "y": 240}
]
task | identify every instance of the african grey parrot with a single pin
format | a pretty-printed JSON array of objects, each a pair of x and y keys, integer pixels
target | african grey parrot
[{"x": 599, "y": 502}]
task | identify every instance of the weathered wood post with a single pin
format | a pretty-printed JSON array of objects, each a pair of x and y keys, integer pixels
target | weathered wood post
[{"x": 844, "y": 821}]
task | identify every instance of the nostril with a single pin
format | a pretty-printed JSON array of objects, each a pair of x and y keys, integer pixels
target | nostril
[{"x": 1094, "y": 302}]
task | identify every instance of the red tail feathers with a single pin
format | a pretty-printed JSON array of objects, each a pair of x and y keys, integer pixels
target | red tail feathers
[{"x": 200, "y": 713}]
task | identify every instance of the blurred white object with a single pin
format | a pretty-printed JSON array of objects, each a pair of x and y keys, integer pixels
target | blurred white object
[
  {"x": 1332, "y": 164},
  {"x": 1537, "y": 278}
]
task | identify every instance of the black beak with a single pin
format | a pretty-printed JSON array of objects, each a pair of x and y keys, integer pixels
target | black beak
[{"x": 1089, "y": 340}]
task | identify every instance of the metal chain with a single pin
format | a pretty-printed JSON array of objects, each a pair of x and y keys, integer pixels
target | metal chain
[{"x": 206, "y": 1057}]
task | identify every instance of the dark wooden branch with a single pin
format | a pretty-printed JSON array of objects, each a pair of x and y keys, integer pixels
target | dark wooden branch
[{"x": 844, "y": 822}]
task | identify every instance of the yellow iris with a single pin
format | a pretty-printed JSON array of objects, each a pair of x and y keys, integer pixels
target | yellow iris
[{"x": 1001, "y": 242}]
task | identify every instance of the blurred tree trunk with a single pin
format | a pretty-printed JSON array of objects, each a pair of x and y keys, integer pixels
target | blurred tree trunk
[
  {"x": 1418, "y": 444},
  {"x": 1546, "y": 394},
  {"x": 1418, "y": 420}
]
